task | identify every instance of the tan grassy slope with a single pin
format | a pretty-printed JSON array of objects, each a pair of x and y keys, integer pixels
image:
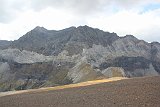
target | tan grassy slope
[{"x": 63, "y": 87}]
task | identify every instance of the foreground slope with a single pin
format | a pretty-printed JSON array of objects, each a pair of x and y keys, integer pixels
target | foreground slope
[{"x": 136, "y": 92}]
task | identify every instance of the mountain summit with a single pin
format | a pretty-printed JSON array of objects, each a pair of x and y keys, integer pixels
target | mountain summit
[
  {"x": 44, "y": 57},
  {"x": 50, "y": 42}
]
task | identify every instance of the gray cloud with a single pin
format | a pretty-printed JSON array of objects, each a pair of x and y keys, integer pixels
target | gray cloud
[
  {"x": 86, "y": 7},
  {"x": 89, "y": 6},
  {"x": 8, "y": 8},
  {"x": 82, "y": 7},
  {"x": 5, "y": 14}
]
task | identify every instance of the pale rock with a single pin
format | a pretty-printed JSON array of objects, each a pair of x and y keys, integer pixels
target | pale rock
[
  {"x": 23, "y": 56},
  {"x": 114, "y": 72}
]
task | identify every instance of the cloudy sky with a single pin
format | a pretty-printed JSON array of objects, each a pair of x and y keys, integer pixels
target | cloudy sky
[{"x": 140, "y": 18}]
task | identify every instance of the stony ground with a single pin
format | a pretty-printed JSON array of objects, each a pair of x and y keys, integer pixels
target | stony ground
[{"x": 137, "y": 92}]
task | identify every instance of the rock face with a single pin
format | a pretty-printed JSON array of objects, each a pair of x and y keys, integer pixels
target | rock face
[
  {"x": 44, "y": 57},
  {"x": 113, "y": 72},
  {"x": 82, "y": 71},
  {"x": 23, "y": 56},
  {"x": 4, "y": 44}
]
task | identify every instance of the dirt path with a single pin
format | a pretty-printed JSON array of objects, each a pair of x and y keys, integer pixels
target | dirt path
[{"x": 137, "y": 92}]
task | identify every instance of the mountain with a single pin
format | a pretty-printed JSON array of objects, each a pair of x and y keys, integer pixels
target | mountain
[
  {"x": 44, "y": 57},
  {"x": 50, "y": 42},
  {"x": 4, "y": 44}
]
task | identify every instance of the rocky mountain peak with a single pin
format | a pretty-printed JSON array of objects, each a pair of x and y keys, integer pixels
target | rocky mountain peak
[
  {"x": 87, "y": 28},
  {"x": 84, "y": 27},
  {"x": 130, "y": 37},
  {"x": 40, "y": 29},
  {"x": 69, "y": 38}
]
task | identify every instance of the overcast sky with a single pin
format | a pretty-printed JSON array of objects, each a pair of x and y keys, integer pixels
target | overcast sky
[{"x": 140, "y": 18}]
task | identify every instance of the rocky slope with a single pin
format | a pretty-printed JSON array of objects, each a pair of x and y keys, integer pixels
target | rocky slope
[
  {"x": 4, "y": 44},
  {"x": 48, "y": 58}
]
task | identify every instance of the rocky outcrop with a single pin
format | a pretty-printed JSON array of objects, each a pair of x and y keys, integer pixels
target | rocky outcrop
[
  {"x": 150, "y": 71},
  {"x": 23, "y": 56},
  {"x": 114, "y": 72},
  {"x": 4, "y": 44},
  {"x": 4, "y": 71},
  {"x": 16, "y": 76},
  {"x": 82, "y": 71}
]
